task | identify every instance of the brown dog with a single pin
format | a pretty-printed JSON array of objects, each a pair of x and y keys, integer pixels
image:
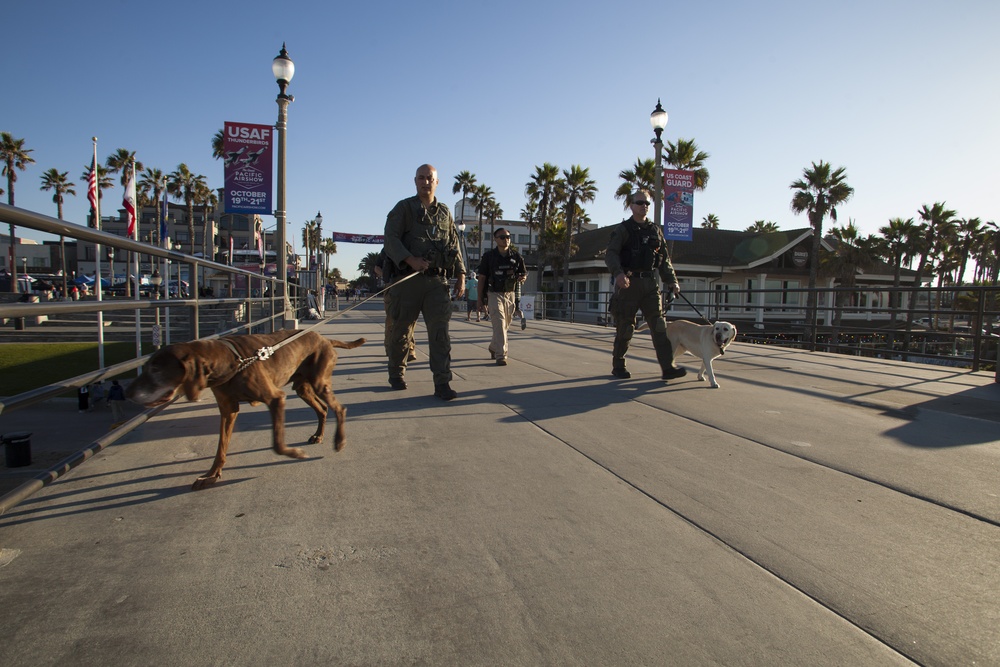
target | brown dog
[{"x": 225, "y": 367}]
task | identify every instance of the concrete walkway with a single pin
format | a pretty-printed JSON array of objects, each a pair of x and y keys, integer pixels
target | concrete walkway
[{"x": 816, "y": 510}]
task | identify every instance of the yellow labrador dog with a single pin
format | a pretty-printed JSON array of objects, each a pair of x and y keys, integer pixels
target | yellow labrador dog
[{"x": 707, "y": 341}]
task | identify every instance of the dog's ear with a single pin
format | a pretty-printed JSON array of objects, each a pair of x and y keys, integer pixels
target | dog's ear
[{"x": 195, "y": 374}]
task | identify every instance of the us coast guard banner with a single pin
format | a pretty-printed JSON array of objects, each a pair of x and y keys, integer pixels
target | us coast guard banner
[
  {"x": 678, "y": 204},
  {"x": 247, "y": 152}
]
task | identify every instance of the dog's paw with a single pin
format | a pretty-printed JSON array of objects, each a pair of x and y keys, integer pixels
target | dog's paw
[
  {"x": 207, "y": 480},
  {"x": 715, "y": 385},
  {"x": 296, "y": 453},
  {"x": 339, "y": 444},
  {"x": 313, "y": 439}
]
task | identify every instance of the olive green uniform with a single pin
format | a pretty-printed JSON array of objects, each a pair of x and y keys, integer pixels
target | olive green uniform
[
  {"x": 412, "y": 229},
  {"x": 639, "y": 250}
]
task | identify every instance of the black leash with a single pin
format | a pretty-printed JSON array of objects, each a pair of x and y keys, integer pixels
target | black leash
[
  {"x": 265, "y": 353},
  {"x": 695, "y": 308}
]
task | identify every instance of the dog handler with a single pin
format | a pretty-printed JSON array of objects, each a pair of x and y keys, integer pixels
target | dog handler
[
  {"x": 420, "y": 237},
  {"x": 638, "y": 259}
]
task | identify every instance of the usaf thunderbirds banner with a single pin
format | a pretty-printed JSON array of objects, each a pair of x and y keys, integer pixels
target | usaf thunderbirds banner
[{"x": 247, "y": 150}]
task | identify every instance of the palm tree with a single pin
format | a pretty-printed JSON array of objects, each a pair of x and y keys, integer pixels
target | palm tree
[
  {"x": 327, "y": 247},
  {"x": 969, "y": 231},
  {"x": 59, "y": 182},
  {"x": 368, "y": 263},
  {"x": 465, "y": 181},
  {"x": 481, "y": 196},
  {"x": 818, "y": 193},
  {"x": 310, "y": 239},
  {"x": 935, "y": 231},
  {"x": 153, "y": 180},
  {"x": 493, "y": 212},
  {"x": 852, "y": 254},
  {"x": 15, "y": 158},
  {"x": 206, "y": 197},
  {"x": 762, "y": 227},
  {"x": 580, "y": 189},
  {"x": 218, "y": 145},
  {"x": 529, "y": 216},
  {"x": 542, "y": 189},
  {"x": 895, "y": 248},
  {"x": 642, "y": 176},
  {"x": 119, "y": 161},
  {"x": 685, "y": 155},
  {"x": 182, "y": 184},
  {"x": 710, "y": 221}
]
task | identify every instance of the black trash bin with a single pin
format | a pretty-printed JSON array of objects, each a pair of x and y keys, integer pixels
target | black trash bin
[{"x": 17, "y": 449}]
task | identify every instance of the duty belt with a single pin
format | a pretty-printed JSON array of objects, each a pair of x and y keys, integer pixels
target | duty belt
[
  {"x": 435, "y": 272},
  {"x": 643, "y": 274}
]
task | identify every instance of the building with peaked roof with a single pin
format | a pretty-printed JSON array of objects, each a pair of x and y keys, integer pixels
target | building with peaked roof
[{"x": 727, "y": 274}]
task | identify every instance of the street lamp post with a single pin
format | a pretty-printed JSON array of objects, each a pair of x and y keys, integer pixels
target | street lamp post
[
  {"x": 24, "y": 272},
  {"x": 156, "y": 280},
  {"x": 658, "y": 119},
  {"x": 319, "y": 241},
  {"x": 283, "y": 69}
]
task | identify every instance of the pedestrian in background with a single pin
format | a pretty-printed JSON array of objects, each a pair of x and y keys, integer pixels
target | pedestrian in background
[
  {"x": 500, "y": 271},
  {"x": 96, "y": 395},
  {"x": 116, "y": 399},
  {"x": 471, "y": 298}
]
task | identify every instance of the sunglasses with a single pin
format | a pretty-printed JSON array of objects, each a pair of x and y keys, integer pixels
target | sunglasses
[
  {"x": 503, "y": 236},
  {"x": 640, "y": 203}
]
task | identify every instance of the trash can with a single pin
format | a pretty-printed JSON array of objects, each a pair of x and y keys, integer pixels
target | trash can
[{"x": 17, "y": 449}]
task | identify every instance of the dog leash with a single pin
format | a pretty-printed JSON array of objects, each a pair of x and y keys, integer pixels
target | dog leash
[
  {"x": 266, "y": 352},
  {"x": 695, "y": 308}
]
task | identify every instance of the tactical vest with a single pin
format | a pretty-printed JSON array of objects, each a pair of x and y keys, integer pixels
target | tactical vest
[
  {"x": 644, "y": 250},
  {"x": 503, "y": 271}
]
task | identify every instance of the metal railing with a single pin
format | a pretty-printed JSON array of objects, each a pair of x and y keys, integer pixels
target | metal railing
[
  {"x": 956, "y": 325},
  {"x": 249, "y": 312}
]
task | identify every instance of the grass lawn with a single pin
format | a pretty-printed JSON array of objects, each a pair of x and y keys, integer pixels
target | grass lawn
[{"x": 25, "y": 366}]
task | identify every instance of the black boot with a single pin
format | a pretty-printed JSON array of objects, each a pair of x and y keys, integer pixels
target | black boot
[{"x": 445, "y": 392}]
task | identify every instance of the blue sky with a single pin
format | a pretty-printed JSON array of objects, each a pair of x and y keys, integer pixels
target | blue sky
[{"x": 903, "y": 94}]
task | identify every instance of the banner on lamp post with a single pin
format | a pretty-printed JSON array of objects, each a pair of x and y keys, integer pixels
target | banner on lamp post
[
  {"x": 247, "y": 164},
  {"x": 678, "y": 204}
]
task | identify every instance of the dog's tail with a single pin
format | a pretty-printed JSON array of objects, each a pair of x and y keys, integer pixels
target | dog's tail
[{"x": 347, "y": 346}]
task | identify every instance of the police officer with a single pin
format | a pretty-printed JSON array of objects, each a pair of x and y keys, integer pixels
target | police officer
[
  {"x": 637, "y": 257},
  {"x": 500, "y": 271},
  {"x": 420, "y": 237}
]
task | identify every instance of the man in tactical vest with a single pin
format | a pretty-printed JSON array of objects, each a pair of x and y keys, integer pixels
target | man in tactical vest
[
  {"x": 500, "y": 271},
  {"x": 637, "y": 257},
  {"x": 420, "y": 237}
]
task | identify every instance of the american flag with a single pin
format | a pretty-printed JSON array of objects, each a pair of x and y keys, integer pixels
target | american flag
[
  {"x": 128, "y": 201},
  {"x": 92, "y": 185}
]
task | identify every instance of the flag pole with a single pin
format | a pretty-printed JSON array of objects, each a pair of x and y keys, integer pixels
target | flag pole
[
  {"x": 130, "y": 196},
  {"x": 96, "y": 188}
]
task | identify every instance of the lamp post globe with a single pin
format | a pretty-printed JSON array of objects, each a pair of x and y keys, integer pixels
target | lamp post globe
[
  {"x": 283, "y": 69},
  {"x": 658, "y": 119}
]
